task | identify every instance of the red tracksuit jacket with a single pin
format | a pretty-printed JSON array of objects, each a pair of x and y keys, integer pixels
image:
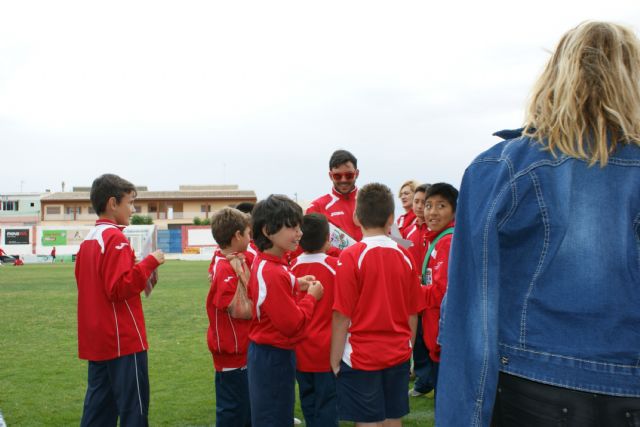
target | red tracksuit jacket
[
  {"x": 278, "y": 320},
  {"x": 110, "y": 317},
  {"x": 338, "y": 208},
  {"x": 228, "y": 338}
]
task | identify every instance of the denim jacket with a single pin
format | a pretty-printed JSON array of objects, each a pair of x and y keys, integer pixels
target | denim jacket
[{"x": 544, "y": 278}]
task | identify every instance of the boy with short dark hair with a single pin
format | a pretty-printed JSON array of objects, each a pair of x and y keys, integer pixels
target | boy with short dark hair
[
  {"x": 316, "y": 381},
  {"x": 111, "y": 328},
  {"x": 417, "y": 234},
  {"x": 279, "y": 320},
  {"x": 439, "y": 215},
  {"x": 377, "y": 297},
  {"x": 228, "y": 333}
]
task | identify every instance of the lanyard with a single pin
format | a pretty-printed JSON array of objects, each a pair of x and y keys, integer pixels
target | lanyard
[{"x": 432, "y": 246}]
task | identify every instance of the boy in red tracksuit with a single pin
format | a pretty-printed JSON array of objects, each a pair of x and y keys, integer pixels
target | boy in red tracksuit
[
  {"x": 228, "y": 333},
  {"x": 417, "y": 234},
  {"x": 316, "y": 382},
  {"x": 279, "y": 320},
  {"x": 439, "y": 214},
  {"x": 111, "y": 328},
  {"x": 377, "y": 298}
]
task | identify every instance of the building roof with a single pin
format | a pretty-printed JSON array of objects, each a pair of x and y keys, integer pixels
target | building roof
[{"x": 159, "y": 195}]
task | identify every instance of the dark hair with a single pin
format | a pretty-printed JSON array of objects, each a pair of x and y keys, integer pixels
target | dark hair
[
  {"x": 315, "y": 231},
  {"x": 245, "y": 207},
  {"x": 374, "y": 205},
  {"x": 106, "y": 186},
  {"x": 340, "y": 157},
  {"x": 225, "y": 223},
  {"x": 446, "y": 191},
  {"x": 422, "y": 188},
  {"x": 273, "y": 213}
]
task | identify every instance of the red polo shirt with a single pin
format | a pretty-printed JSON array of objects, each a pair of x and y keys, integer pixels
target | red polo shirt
[
  {"x": 312, "y": 353},
  {"x": 377, "y": 287}
]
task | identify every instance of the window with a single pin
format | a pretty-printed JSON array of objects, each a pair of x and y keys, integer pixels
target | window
[
  {"x": 91, "y": 210},
  {"x": 53, "y": 210},
  {"x": 69, "y": 210},
  {"x": 32, "y": 204},
  {"x": 205, "y": 208},
  {"x": 138, "y": 208},
  {"x": 10, "y": 206},
  {"x": 153, "y": 208}
]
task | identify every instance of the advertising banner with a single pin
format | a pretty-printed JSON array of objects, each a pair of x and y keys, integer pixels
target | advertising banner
[
  {"x": 54, "y": 238},
  {"x": 16, "y": 236}
]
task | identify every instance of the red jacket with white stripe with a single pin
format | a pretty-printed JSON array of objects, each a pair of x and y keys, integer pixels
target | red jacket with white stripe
[
  {"x": 313, "y": 352},
  {"x": 338, "y": 208},
  {"x": 417, "y": 234},
  {"x": 433, "y": 292},
  {"x": 110, "y": 317},
  {"x": 278, "y": 320},
  {"x": 228, "y": 338},
  {"x": 406, "y": 220}
]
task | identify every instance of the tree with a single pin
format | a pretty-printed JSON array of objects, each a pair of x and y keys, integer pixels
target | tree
[{"x": 141, "y": 220}]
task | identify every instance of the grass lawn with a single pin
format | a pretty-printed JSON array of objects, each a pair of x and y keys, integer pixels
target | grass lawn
[{"x": 42, "y": 381}]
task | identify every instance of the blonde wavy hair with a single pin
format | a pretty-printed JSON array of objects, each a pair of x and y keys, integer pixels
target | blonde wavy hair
[{"x": 587, "y": 99}]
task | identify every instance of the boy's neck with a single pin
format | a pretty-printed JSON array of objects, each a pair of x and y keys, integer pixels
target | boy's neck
[
  {"x": 372, "y": 232},
  {"x": 319, "y": 251},
  {"x": 231, "y": 249},
  {"x": 274, "y": 251},
  {"x": 419, "y": 220},
  {"x": 106, "y": 217}
]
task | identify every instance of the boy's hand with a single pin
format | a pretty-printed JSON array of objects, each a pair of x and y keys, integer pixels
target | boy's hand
[
  {"x": 316, "y": 290},
  {"x": 305, "y": 281},
  {"x": 240, "y": 267},
  {"x": 159, "y": 256}
]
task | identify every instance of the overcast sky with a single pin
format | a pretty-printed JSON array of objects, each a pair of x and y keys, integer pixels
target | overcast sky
[{"x": 259, "y": 94}]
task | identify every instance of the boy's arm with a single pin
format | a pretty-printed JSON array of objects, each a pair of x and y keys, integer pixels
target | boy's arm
[
  {"x": 123, "y": 278},
  {"x": 241, "y": 307},
  {"x": 413, "y": 324},
  {"x": 339, "y": 330},
  {"x": 287, "y": 317}
]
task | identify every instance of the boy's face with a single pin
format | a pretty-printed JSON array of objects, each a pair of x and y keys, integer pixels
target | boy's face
[
  {"x": 418, "y": 204},
  {"x": 286, "y": 239},
  {"x": 438, "y": 212},
  {"x": 122, "y": 211},
  {"x": 344, "y": 177},
  {"x": 242, "y": 240}
]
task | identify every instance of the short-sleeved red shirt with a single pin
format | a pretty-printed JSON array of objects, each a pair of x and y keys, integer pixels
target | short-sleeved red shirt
[
  {"x": 377, "y": 287},
  {"x": 312, "y": 353}
]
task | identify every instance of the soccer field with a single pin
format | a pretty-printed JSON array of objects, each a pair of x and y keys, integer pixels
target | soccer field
[{"x": 42, "y": 381}]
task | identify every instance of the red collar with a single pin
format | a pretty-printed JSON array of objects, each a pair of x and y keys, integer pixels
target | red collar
[
  {"x": 432, "y": 234},
  {"x": 347, "y": 196},
  {"x": 103, "y": 221},
  {"x": 279, "y": 260}
]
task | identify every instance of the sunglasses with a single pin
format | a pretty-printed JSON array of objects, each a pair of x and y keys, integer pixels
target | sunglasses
[{"x": 347, "y": 175}]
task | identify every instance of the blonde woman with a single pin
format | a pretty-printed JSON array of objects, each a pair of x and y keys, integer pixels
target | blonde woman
[
  {"x": 542, "y": 313},
  {"x": 408, "y": 218}
]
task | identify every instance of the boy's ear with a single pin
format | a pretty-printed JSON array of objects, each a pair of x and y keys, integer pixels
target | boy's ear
[
  {"x": 355, "y": 220},
  {"x": 264, "y": 231},
  {"x": 389, "y": 221},
  {"x": 112, "y": 203}
]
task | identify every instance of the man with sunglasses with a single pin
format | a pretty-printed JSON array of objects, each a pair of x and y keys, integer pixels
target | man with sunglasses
[{"x": 338, "y": 206}]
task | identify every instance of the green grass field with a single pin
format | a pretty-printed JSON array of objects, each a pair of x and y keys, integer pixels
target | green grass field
[{"x": 42, "y": 381}]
